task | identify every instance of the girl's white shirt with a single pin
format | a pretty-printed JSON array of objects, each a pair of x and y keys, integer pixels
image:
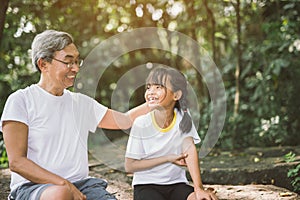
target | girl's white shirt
[{"x": 148, "y": 141}]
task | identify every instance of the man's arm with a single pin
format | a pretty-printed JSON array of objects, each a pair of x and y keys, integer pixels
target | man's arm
[
  {"x": 15, "y": 136},
  {"x": 117, "y": 120}
]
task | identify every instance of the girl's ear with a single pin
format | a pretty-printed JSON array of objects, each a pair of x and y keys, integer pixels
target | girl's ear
[
  {"x": 177, "y": 95},
  {"x": 42, "y": 64}
]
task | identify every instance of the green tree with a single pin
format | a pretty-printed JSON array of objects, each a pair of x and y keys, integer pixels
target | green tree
[{"x": 259, "y": 39}]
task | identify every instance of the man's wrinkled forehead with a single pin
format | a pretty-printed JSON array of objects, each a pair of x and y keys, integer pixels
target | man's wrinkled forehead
[{"x": 69, "y": 52}]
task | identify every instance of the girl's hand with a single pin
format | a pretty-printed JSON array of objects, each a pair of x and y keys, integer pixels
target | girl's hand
[
  {"x": 201, "y": 194},
  {"x": 178, "y": 159}
]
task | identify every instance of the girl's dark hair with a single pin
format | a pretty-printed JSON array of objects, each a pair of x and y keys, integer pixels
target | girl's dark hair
[{"x": 159, "y": 75}]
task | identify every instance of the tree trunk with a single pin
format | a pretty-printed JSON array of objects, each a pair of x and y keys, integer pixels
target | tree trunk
[
  {"x": 239, "y": 60},
  {"x": 213, "y": 28},
  {"x": 3, "y": 9},
  {"x": 235, "y": 135}
]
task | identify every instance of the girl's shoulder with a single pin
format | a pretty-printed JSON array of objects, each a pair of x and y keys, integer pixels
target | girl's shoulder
[{"x": 143, "y": 119}]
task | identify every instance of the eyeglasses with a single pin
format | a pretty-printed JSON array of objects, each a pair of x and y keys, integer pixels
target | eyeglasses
[{"x": 77, "y": 62}]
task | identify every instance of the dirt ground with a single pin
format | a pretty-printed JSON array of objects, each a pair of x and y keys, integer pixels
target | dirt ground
[
  {"x": 119, "y": 183},
  {"x": 4, "y": 183}
]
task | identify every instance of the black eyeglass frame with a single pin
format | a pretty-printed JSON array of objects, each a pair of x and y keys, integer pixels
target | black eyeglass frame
[{"x": 78, "y": 62}]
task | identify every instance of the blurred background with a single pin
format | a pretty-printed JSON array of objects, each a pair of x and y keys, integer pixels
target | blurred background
[{"x": 254, "y": 43}]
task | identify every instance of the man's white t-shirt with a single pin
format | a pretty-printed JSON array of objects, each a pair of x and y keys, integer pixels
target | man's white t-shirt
[
  {"x": 148, "y": 141},
  {"x": 58, "y": 128}
]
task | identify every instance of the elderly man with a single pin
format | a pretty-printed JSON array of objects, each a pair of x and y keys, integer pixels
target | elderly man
[{"x": 45, "y": 127}]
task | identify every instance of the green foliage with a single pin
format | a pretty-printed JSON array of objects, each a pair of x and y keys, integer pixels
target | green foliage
[
  {"x": 289, "y": 157},
  {"x": 3, "y": 155},
  {"x": 293, "y": 173},
  {"x": 268, "y": 107}
]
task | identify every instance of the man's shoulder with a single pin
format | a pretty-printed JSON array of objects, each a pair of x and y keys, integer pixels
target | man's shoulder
[
  {"x": 21, "y": 92},
  {"x": 78, "y": 96}
]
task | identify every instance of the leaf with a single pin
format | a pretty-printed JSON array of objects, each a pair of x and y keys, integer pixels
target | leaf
[
  {"x": 289, "y": 6},
  {"x": 277, "y": 64}
]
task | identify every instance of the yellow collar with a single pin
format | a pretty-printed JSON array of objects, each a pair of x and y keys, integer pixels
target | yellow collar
[{"x": 163, "y": 129}]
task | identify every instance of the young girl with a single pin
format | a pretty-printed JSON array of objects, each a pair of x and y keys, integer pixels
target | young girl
[{"x": 163, "y": 141}]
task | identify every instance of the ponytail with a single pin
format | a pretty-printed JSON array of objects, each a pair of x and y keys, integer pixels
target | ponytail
[{"x": 185, "y": 124}]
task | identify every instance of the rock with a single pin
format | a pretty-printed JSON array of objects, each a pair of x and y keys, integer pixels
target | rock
[{"x": 253, "y": 165}]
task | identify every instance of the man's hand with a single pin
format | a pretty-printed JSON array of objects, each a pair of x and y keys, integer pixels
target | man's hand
[
  {"x": 64, "y": 190},
  {"x": 77, "y": 195}
]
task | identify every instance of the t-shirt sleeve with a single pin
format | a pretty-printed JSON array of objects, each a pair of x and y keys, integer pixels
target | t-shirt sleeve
[
  {"x": 194, "y": 134},
  {"x": 135, "y": 148},
  {"x": 90, "y": 112},
  {"x": 98, "y": 112},
  {"x": 15, "y": 109}
]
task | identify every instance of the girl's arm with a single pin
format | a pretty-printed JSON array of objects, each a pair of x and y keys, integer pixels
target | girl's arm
[
  {"x": 192, "y": 162},
  {"x": 193, "y": 166},
  {"x": 134, "y": 165}
]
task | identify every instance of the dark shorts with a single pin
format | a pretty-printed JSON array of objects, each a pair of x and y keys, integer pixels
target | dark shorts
[
  {"x": 178, "y": 191},
  {"x": 93, "y": 188}
]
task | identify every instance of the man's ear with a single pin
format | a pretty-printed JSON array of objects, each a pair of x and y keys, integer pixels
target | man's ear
[
  {"x": 177, "y": 95},
  {"x": 42, "y": 64}
]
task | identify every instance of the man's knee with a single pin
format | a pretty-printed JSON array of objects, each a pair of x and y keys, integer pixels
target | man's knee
[{"x": 56, "y": 192}]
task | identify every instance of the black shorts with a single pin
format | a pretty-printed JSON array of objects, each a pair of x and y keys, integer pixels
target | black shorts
[{"x": 178, "y": 191}]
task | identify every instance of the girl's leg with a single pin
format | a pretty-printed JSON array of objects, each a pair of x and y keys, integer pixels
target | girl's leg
[
  {"x": 147, "y": 192},
  {"x": 191, "y": 196},
  {"x": 181, "y": 191}
]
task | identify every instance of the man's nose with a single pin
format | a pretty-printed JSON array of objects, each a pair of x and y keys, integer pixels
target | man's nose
[{"x": 75, "y": 68}]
